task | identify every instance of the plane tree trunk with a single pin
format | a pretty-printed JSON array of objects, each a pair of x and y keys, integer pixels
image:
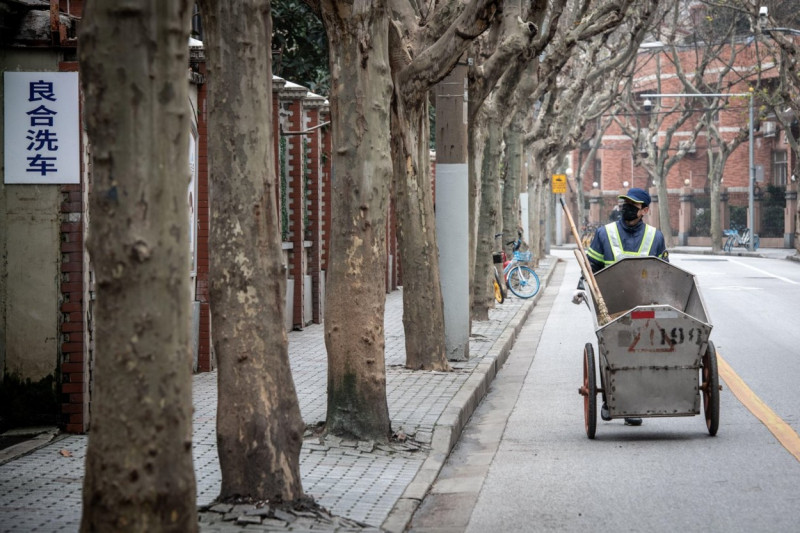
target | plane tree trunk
[
  {"x": 259, "y": 426},
  {"x": 356, "y": 287},
  {"x": 139, "y": 474}
]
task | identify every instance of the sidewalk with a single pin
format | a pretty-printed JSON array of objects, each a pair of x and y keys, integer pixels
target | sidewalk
[{"x": 363, "y": 486}]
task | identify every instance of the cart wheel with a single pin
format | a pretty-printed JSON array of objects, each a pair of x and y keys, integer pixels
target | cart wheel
[
  {"x": 711, "y": 389},
  {"x": 589, "y": 391}
]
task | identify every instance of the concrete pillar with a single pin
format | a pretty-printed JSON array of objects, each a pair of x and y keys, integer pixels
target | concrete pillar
[
  {"x": 653, "y": 218},
  {"x": 524, "y": 215},
  {"x": 595, "y": 202},
  {"x": 790, "y": 215},
  {"x": 452, "y": 209},
  {"x": 314, "y": 209},
  {"x": 686, "y": 216},
  {"x": 758, "y": 201}
]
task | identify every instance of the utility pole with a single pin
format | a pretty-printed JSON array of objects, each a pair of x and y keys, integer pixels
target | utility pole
[
  {"x": 751, "y": 164},
  {"x": 452, "y": 209}
]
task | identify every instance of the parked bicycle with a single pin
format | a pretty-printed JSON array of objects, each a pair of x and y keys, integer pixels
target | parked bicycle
[
  {"x": 735, "y": 240},
  {"x": 520, "y": 279},
  {"x": 587, "y": 234},
  {"x": 498, "y": 286}
]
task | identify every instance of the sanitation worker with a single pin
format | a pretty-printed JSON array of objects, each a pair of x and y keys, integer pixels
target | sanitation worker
[{"x": 627, "y": 237}]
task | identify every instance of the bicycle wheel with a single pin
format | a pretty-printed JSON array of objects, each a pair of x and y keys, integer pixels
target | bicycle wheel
[
  {"x": 523, "y": 281},
  {"x": 499, "y": 291},
  {"x": 729, "y": 244}
]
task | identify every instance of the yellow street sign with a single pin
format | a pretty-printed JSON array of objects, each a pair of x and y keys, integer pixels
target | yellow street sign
[{"x": 559, "y": 183}]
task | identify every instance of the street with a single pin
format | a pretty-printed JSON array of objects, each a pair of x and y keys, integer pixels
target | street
[{"x": 524, "y": 463}]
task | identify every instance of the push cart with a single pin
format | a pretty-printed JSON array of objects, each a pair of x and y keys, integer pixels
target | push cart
[{"x": 655, "y": 356}]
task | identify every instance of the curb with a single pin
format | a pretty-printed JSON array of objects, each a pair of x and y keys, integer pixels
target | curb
[
  {"x": 458, "y": 411},
  {"x": 38, "y": 437}
]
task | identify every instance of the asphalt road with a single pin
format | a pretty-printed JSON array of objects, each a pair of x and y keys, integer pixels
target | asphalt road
[{"x": 524, "y": 462}]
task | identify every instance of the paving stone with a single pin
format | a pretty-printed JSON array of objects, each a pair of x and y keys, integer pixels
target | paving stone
[
  {"x": 356, "y": 483},
  {"x": 284, "y": 516},
  {"x": 273, "y": 523},
  {"x": 248, "y": 519},
  {"x": 259, "y": 511}
]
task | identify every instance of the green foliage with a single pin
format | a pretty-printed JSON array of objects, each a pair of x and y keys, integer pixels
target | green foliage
[
  {"x": 432, "y": 123},
  {"x": 300, "y": 47},
  {"x": 773, "y": 205},
  {"x": 306, "y": 180},
  {"x": 772, "y": 223},
  {"x": 701, "y": 225},
  {"x": 284, "y": 189},
  {"x": 773, "y": 202},
  {"x": 775, "y": 196},
  {"x": 738, "y": 217}
]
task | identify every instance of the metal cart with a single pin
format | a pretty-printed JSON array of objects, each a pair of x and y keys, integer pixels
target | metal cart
[{"x": 656, "y": 359}]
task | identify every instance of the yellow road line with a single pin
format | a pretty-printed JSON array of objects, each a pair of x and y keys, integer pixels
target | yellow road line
[{"x": 782, "y": 431}]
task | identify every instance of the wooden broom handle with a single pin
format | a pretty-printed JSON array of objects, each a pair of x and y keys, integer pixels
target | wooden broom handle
[{"x": 586, "y": 268}]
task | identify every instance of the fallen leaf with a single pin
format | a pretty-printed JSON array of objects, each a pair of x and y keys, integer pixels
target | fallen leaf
[{"x": 65, "y": 453}]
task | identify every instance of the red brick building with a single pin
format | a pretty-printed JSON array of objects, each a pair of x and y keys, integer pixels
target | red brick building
[{"x": 614, "y": 169}]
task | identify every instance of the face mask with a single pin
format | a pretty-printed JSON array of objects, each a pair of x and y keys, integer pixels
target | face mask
[{"x": 629, "y": 212}]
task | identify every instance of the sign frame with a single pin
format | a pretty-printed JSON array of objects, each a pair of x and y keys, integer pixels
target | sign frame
[{"x": 42, "y": 128}]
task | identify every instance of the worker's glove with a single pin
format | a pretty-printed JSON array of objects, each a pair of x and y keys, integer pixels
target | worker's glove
[{"x": 578, "y": 297}]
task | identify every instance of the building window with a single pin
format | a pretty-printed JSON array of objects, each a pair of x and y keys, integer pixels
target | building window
[
  {"x": 779, "y": 168},
  {"x": 598, "y": 171}
]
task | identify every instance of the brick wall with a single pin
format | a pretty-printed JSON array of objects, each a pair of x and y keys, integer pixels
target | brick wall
[
  {"x": 205, "y": 361},
  {"x": 313, "y": 178},
  {"x": 616, "y": 151},
  {"x": 75, "y": 307},
  {"x": 75, "y": 365}
]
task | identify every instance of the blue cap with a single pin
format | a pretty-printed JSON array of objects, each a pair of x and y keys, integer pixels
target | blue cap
[{"x": 636, "y": 195}]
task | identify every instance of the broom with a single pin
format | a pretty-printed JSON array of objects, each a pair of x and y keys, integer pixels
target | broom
[{"x": 583, "y": 262}]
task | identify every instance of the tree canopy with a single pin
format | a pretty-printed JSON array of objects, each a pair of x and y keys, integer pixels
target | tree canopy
[{"x": 299, "y": 46}]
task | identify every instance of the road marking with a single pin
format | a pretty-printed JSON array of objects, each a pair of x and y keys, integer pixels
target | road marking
[
  {"x": 770, "y": 274},
  {"x": 782, "y": 431},
  {"x": 735, "y": 288}
]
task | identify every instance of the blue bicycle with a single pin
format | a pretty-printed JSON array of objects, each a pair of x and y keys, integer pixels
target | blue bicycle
[
  {"x": 520, "y": 279},
  {"x": 736, "y": 240}
]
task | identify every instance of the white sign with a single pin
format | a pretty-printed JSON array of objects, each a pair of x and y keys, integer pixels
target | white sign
[{"x": 42, "y": 141}]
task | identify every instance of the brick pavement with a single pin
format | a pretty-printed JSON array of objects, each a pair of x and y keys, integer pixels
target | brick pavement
[{"x": 363, "y": 486}]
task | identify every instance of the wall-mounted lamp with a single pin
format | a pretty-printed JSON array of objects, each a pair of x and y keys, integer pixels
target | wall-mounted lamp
[
  {"x": 625, "y": 184},
  {"x": 687, "y": 182}
]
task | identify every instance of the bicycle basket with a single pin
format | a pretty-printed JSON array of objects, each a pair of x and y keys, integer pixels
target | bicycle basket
[
  {"x": 523, "y": 256},
  {"x": 497, "y": 258}
]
